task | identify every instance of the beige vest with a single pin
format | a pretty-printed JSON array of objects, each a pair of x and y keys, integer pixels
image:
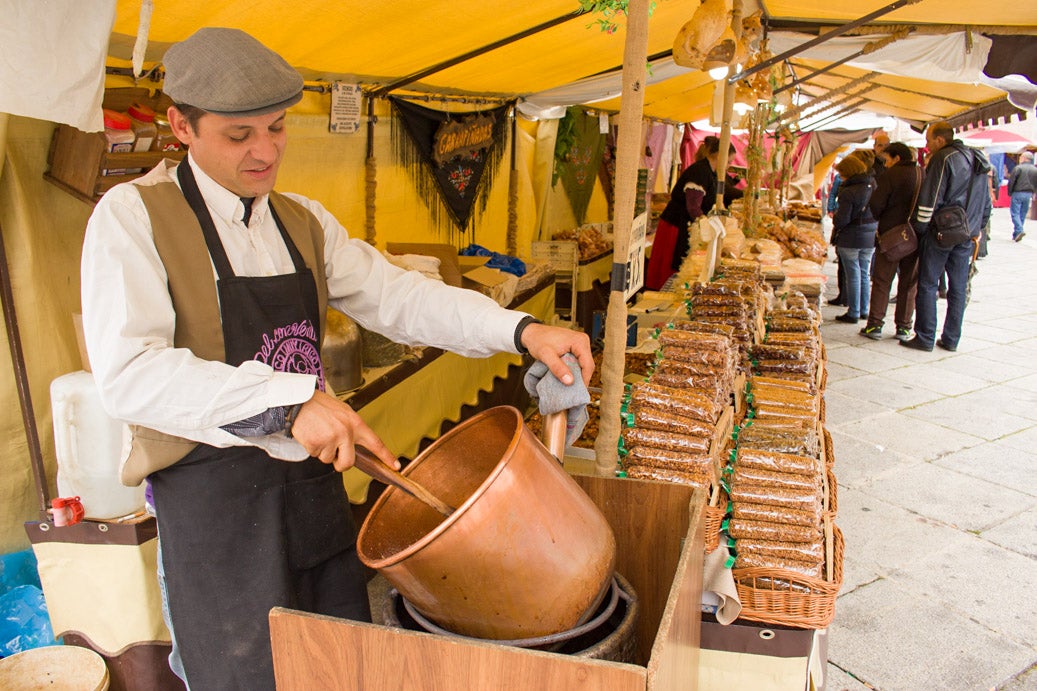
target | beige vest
[{"x": 181, "y": 246}]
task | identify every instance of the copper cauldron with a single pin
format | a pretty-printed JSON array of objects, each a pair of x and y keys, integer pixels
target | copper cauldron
[{"x": 526, "y": 553}]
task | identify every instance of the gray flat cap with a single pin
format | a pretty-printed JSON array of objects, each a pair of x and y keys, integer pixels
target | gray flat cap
[{"x": 227, "y": 72}]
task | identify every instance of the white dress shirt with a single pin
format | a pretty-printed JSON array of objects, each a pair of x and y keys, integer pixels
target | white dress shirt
[{"x": 128, "y": 316}]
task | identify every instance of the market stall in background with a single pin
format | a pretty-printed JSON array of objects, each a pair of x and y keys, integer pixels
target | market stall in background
[{"x": 528, "y": 157}]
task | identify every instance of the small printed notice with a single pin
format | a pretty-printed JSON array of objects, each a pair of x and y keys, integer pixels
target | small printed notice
[
  {"x": 636, "y": 256},
  {"x": 346, "y": 99}
]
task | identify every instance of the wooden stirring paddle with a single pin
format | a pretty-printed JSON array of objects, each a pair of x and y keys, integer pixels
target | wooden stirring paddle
[{"x": 373, "y": 466}]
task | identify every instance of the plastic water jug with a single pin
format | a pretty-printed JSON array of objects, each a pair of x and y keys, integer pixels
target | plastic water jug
[{"x": 88, "y": 446}]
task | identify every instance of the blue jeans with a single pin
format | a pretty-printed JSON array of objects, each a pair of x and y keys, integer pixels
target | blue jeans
[
  {"x": 857, "y": 262},
  {"x": 1020, "y": 206},
  {"x": 933, "y": 260}
]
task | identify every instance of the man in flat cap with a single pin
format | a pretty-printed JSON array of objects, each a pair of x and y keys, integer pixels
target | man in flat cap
[{"x": 204, "y": 293}]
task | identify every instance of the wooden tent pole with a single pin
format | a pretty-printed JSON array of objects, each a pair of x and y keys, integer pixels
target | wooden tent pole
[
  {"x": 628, "y": 150},
  {"x": 21, "y": 378},
  {"x": 370, "y": 175},
  {"x": 729, "y": 106}
]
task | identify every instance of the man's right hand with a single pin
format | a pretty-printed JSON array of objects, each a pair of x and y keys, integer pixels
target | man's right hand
[{"x": 329, "y": 429}]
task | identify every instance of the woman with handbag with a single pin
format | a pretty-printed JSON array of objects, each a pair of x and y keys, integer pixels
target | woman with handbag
[
  {"x": 853, "y": 235},
  {"x": 896, "y": 189}
]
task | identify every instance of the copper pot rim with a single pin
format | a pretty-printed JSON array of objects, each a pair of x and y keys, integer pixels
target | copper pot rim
[{"x": 459, "y": 512}]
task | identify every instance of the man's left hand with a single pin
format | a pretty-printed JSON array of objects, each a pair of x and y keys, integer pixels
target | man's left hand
[{"x": 549, "y": 343}]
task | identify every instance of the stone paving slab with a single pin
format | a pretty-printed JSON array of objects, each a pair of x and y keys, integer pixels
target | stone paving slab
[
  {"x": 962, "y": 501},
  {"x": 1003, "y": 397},
  {"x": 996, "y": 463},
  {"x": 909, "y": 436},
  {"x": 1027, "y": 681},
  {"x": 887, "y": 389},
  {"x": 894, "y": 639},
  {"x": 934, "y": 376},
  {"x": 1016, "y": 534},
  {"x": 839, "y": 680},
  {"x": 841, "y": 408},
  {"x": 983, "y": 334},
  {"x": 1025, "y": 440},
  {"x": 868, "y": 360},
  {"x": 837, "y": 372},
  {"x": 980, "y": 365},
  {"x": 968, "y": 413},
  {"x": 1027, "y": 383},
  {"x": 859, "y": 462},
  {"x": 882, "y": 537},
  {"x": 978, "y": 579},
  {"x": 1010, "y": 354},
  {"x": 1023, "y": 325}
]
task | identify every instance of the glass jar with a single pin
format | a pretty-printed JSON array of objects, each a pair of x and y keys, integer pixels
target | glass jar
[
  {"x": 118, "y": 133},
  {"x": 165, "y": 140},
  {"x": 142, "y": 120}
]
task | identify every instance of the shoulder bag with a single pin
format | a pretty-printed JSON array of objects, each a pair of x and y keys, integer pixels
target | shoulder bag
[
  {"x": 900, "y": 240},
  {"x": 950, "y": 224}
]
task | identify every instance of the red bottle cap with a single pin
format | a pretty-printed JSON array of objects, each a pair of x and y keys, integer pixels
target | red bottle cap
[
  {"x": 141, "y": 112},
  {"x": 115, "y": 120}
]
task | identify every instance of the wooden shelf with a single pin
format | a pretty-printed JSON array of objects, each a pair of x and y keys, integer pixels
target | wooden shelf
[{"x": 77, "y": 159}]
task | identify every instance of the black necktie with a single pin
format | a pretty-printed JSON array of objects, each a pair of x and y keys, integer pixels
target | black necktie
[{"x": 247, "y": 202}]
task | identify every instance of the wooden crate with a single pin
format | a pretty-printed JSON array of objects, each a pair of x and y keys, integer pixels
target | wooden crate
[
  {"x": 658, "y": 528},
  {"x": 77, "y": 159}
]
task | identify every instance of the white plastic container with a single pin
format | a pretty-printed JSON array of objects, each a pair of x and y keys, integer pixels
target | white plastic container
[{"x": 88, "y": 446}]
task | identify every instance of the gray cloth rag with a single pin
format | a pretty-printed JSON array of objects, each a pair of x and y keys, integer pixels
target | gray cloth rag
[{"x": 553, "y": 396}]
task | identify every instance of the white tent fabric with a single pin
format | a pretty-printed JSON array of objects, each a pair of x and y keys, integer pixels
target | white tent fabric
[
  {"x": 552, "y": 103},
  {"x": 59, "y": 75},
  {"x": 942, "y": 58}
]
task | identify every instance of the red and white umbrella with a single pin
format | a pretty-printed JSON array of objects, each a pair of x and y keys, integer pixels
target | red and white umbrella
[{"x": 995, "y": 140}]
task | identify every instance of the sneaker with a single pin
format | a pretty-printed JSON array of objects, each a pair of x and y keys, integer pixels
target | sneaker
[
  {"x": 1019, "y": 237},
  {"x": 847, "y": 318},
  {"x": 903, "y": 334},
  {"x": 872, "y": 332},
  {"x": 838, "y": 300}
]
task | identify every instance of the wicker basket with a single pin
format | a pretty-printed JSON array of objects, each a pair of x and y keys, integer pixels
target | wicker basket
[
  {"x": 806, "y": 602},
  {"x": 831, "y": 493},
  {"x": 714, "y": 517},
  {"x": 829, "y": 450},
  {"x": 821, "y": 409}
]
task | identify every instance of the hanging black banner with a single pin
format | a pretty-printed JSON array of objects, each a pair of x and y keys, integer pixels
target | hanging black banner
[{"x": 458, "y": 151}]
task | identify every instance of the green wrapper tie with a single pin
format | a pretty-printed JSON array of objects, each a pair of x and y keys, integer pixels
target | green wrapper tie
[
  {"x": 730, "y": 506},
  {"x": 621, "y": 473},
  {"x": 723, "y": 523},
  {"x": 734, "y": 454},
  {"x": 629, "y": 417},
  {"x": 729, "y": 562},
  {"x": 725, "y": 485}
]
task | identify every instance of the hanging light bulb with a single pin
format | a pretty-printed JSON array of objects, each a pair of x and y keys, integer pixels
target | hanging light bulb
[{"x": 718, "y": 73}]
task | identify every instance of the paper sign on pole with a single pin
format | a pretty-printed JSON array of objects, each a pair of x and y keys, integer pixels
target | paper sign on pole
[
  {"x": 345, "y": 107},
  {"x": 635, "y": 269}
]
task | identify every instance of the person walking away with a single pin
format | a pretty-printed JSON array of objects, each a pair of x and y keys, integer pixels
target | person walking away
[
  {"x": 853, "y": 235},
  {"x": 1021, "y": 186},
  {"x": 955, "y": 175},
  {"x": 892, "y": 204},
  {"x": 672, "y": 240},
  {"x": 204, "y": 294}
]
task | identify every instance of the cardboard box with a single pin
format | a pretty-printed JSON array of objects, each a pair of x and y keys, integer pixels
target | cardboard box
[
  {"x": 468, "y": 263},
  {"x": 449, "y": 268},
  {"x": 658, "y": 528}
]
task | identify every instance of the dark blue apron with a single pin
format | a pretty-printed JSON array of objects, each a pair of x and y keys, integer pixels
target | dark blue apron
[{"x": 242, "y": 532}]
